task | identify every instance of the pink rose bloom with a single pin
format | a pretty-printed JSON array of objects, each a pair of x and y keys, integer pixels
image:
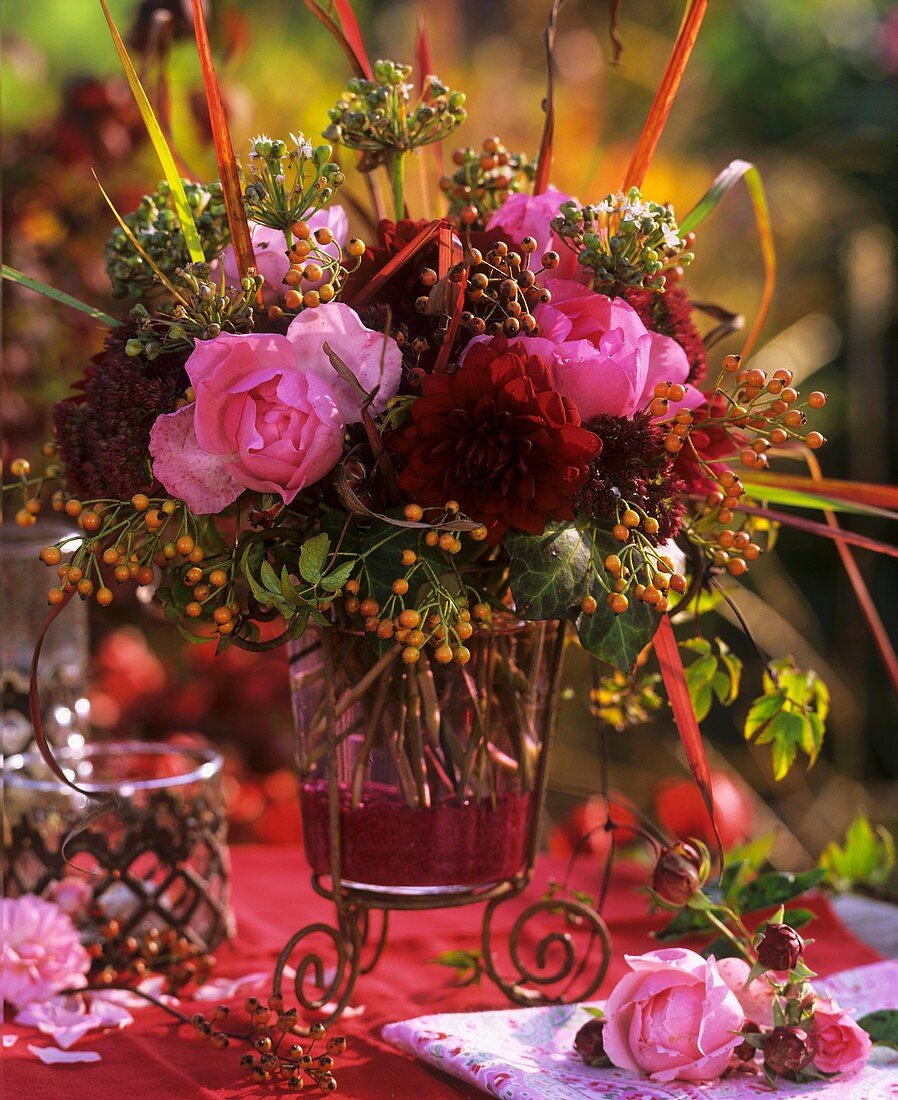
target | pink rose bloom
[
  {"x": 674, "y": 1018},
  {"x": 757, "y": 999},
  {"x": 270, "y": 248},
  {"x": 605, "y": 359},
  {"x": 524, "y": 215},
  {"x": 842, "y": 1045},
  {"x": 42, "y": 951},
  {"x": 270, "y": 410}
]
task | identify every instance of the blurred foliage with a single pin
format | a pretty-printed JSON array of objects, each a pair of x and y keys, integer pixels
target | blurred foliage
[{"x": 800, "y": 87}]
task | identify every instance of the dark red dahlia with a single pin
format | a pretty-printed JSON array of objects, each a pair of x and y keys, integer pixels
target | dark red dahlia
[
  {"x": 497, "y": 437},
  {"x": 103, "y": 435},
  {"x": 670, "y": 313},
  {"x": 633, "y": 466}
]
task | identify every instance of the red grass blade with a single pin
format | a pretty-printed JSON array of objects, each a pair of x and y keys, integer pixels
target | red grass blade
[
  {"x": 674, "y": 677},
  {"x": 450, "y": 253},
  {"x": 857, "y": 492},
  {"x": 353, "y": 34},
  {"x": 358, "y": 65},
  {"x": 224, "y": 150},
  {"x": 411, "y": 250},
  {"x": 667, "y": 91},
  {"x": 814, "y": 528},
  {"x": 544, "y": 158},
  {"x": 862, "y": 593},
  {"x": 617, "y": 43}
]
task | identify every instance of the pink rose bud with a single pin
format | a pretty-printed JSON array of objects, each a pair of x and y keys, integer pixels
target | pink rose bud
[
  {"x": 589, "y": 1044},
  {"x": 780, "y": 947},
  {"x": 788, "y": 1050},
  {"x": 680, "y": 871}
]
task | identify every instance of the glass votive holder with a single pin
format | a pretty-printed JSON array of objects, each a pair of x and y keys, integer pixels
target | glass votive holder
[{"x": 158, "y": 860}]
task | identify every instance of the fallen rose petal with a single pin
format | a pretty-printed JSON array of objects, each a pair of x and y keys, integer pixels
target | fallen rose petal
[
  {"x": 223, "y": 989},
  {"x": 108, "y": 1013},
  {"x": 348, "y": 1012},
  {"x": 52, "y": 1056},
  {"x": 9, "y": 1041}
]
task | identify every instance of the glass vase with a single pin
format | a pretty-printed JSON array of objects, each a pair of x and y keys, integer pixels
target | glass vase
[
  {"x": 158, "y": 859},
  {"x": 24, "y": 583},
  {"x": 439, "y": 766}
]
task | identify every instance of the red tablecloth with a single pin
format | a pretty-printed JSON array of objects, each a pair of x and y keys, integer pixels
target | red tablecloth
[{"x": 154, "y": 1059}]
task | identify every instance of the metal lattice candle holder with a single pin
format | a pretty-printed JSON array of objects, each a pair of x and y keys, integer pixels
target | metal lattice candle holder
[
  {"x": 157, "y": 860},
  {"x": 565, "y": 964}
]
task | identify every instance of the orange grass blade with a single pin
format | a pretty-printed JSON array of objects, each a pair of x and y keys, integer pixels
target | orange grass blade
[
  {"x": 674, "y": 677},
  {"x": 224, "y": 150},
  {"x": 861, "y": 591},
  {"x": 425, "y": 66},
  {"x": 814, "y": 528},
  {"x": 544, "y": 157},
  {"x": 450, "y": 254},
  {"x": 411, "y": 250},
  {"x": 667, "y": 91},
  {"x": 856, "y": 492}
]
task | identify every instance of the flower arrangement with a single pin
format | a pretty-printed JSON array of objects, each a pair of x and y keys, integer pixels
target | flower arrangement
[
  {"x": 745, "y": 1004},
  {"x": 506, "y": 413}
]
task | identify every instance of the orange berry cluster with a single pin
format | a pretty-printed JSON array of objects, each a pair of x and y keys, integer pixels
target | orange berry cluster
[
  {"x": 728, "y": 549},
  {"x": 445, "y": 621},
  {"x": 278, "y": 1058},
  {"x": 120, "y": 958},
  {"x": 483, "y": 179},
  {"x": 311, "y": 264},
  {"x": 637, "y": 571},
  {"x": 502, "y": 289},
  {"x": 30, "y": 487}
]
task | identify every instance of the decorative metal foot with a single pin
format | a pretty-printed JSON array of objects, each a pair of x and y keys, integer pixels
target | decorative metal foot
[{"x": 554, "y": 968}]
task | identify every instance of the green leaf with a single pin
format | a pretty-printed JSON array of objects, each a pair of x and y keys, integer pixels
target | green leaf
[
  {"x": 687, "y": 922},
  {"x": 338, "y": 577},
  {"x": 882, "y": 1027},
  {"x": 791, "y": 715},
  {"x": 157, "y": 137},
  {"x": 547, "y": 574},
  {"x": 593, "y": 1011},
  {"x": 18, "y": 277},
  {"x": 286, "y": 586},
  {"x": 775, "y": 888},
  {"x": 866, "y": 856},
  {"x": 313, "y": 557},
  {"x": 773, "y": 494},
  {"x": 270, "y": 578}
]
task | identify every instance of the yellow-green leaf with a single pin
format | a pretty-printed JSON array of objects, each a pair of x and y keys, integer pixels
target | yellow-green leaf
[{"x": 157, "y": 137}]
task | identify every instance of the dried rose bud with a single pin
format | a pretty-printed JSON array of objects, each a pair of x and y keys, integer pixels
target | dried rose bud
[
  {"x": 589, "y": 1044},
  {"x": 788, "y": 1050},
  {"x": 780, "y": 947},
  {"x": 680, "y": 871}
]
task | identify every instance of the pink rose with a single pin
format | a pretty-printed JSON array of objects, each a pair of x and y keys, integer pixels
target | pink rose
[
  {"x": 606, "y": 360},
  {"x": 674, "y": 1018},
  {"x": 757, "y": 999},
  {"x": 270, "y": 248},
  {"x": 270, "y": 410},
  {"x": 42, "y": 951},
  {"x": 842, "y": 1045},
  {"x": 523, "y": 216}
]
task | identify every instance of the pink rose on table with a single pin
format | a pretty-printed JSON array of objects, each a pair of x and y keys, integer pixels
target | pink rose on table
[
  {"x": 757, "y": 999},
  {"x": 270, "y": 248},
  {"x": 605, "y": 359},
  {"x": 673, "y": 1018},
  {"x": 42, "y": 951},
  {"x": 842, "y": 1046},
  {"x": 270, "y": 410},
  {"x": 523, "y": 216}
]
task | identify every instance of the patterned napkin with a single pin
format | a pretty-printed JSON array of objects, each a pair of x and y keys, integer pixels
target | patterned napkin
[{"x": 526, "y": 1053}]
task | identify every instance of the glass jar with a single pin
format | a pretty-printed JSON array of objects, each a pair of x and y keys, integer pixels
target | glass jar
[
  {"x": 157, "y": 860},
  {"x": 438, "y": 766},
  {"x": 24, "y": 583}
]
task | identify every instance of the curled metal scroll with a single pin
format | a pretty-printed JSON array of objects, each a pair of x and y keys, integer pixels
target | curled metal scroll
[
  {"x": 335, "y": 990},
  {"x": 579, "y": 974}
]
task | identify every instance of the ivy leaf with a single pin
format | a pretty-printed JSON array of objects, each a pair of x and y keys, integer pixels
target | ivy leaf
[
  {"x": 790, "y": 715},
  {"x": 776, "y": 888},
  {"x": 882, "y": 1027},
  {"x": 866, "y": 856},
  {"x": 313, "y": 557},
  {"x": 547, "y": 574}
]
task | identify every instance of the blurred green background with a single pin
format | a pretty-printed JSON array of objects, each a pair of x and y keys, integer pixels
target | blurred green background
[{"x": 803, "y": 88}]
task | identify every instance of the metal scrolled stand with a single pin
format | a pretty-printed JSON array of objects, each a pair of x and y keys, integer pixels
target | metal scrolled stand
[{"x": 559, "y": 959}]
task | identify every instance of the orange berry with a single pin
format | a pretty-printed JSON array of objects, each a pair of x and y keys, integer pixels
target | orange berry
[
  {"x": 815, "y": 440},
  {"x": 413, "y": 512},
  {"x": 193, "y": 576},
  {"x": 479, "y": 533},
  {"x": 140, "y": 502},
  {"x": 218, "y": 577},
  {"x": 73, "y": 507},
  {"x": 55, "y": 596},
  {"x": 104, "y": 596},
  {"x": 678, "y": 583},
  {"x": 154, "y": 519},
  {"x": 677, "y": 392},
  {"x": 408, "y": 557},
  {"x": 443, "y": 654},
  {"x": 145, "y": 575},
  {"x": 24, "y": 518},
  {"x": 736, "y": 567},
  {"x": 618, "y": 603},
  {"x": 731, "y": 363},
  {"x": 630, "y": 518},
  {"x": 351, "y": 605},
  {"x": 222, "y": 615},
  {"x": 352, "y": 586},
  {"x": 369, "y": 607},
  {"x": 185, "y": 544},
  {"x": 410, "y": 654},
  {"x": 196, "y": 554},
  {"x": 85, "y": 588},
  {"x": 588, "y": 605},
  {"x": 817, "y": 399},
  {"x": 789, "y": 395},
  {"x": 431, "y": 538},
  {"x": 752, "y": 552},
  {"x": 464, "y": 630},
  {"x": 613, "y": 563},
  {"x": 620, "y": 532},
  {"x": 201, "y": 592},
  {"x": 193, "y": 610},
  {"x": 122, "y": 573},
  {"x": 461, "y": 655},
  {"x": 409, "y": 618},
  {"x": 481, "y": 612},
  {"x": 385, "y": 629},
  {"x": 51, "y": 555}
]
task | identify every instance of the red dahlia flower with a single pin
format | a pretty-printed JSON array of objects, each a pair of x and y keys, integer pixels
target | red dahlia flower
[{"x": 497, "y": 437}]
